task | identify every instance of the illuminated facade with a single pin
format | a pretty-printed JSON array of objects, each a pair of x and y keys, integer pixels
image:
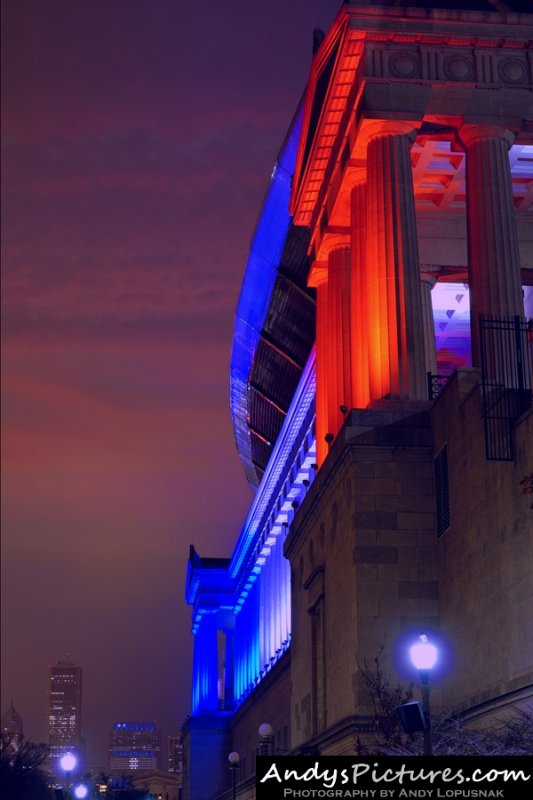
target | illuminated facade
[
  {"x": 134, "y": 746},
  {"x": 380, "y": 391},
  {"x": 64, "y": 709}
]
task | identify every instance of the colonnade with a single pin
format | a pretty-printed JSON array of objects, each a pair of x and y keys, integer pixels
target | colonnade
[
  {"x": 374, "y": 329},
  {"x": 263, "y": 624}
]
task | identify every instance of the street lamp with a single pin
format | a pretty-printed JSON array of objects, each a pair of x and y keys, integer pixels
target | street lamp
[
  {"x": 234, "y": 759},
  {"x": 265, "y": 737},
  {"x": 81, "y": 791},
  {"x": 424, "y": 657},
  {"x": 67, "y": 763}
]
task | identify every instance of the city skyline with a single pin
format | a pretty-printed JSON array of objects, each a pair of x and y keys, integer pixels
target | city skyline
[{"x": 127, "y": 212}]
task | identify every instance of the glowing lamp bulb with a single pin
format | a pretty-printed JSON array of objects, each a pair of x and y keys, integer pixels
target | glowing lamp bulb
[
  {"x": 423, "y": 653},
  {"x": 265, "y": 730},
  {"x": 68, "y": 762},
  {"x": 81, "y": 791},
  {"x": 234, "y": 758}
]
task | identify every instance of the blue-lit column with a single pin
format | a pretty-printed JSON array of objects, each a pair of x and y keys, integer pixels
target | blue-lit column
[
  {"x": 205, "y": 665},
  {"x": 278, "y": 592},
  {"x": 260, "y": 586},
  {"x": 247, "y": 641}
]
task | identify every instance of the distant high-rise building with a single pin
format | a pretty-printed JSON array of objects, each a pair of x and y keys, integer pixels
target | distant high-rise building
[
  {"x": 64, "y": 708},
  {"x": 12, "y": 724},
  {"x": 134, "y": 746},
  {"x": 175, "y": 753}
]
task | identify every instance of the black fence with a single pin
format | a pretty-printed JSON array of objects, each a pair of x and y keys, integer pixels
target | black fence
[
  {"x": 435, "y": 384},
  {"x": 506, "y": 377}
]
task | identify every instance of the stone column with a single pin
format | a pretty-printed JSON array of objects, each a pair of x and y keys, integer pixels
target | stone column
[
  {"x": 205, "y": 677},
  {"x": 359, "y": 293},
  {"x": 428, "y": 281},
  {"x": 493, "y": 250},
  {"x": 319, "y": 279},
  {"x": 340, "y": 374},
  {"x": 330, "y": 275},
  {"x": 396, "y": 329}
]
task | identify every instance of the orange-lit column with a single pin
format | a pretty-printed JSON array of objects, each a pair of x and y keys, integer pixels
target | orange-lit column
[
  {"x": 428, "y": 281},
  {"x": 318, "y": 278},
  {"x": 339, "y": 367},
  {"x": 396, "y": 331},
  {"x": 358, "y": 293},
  {"x": 330, "y": 275},
  {"x": 493, "y": 250}
]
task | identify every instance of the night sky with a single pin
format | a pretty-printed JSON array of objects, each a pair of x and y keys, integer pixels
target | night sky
[{"x": 138, "y": 138}]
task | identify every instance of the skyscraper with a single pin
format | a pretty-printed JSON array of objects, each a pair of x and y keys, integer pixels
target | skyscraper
[
  {"x": 134, "y": 746},
  {"x": 380, "y": 393},
  {"x": 12, "y": 724},
  {"x": 64, "y": 708},
  {"x": 175, "y": 753}
]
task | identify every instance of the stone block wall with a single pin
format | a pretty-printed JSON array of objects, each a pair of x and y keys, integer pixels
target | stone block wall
[
  {"x": 270, "y": 702},
  {"x": 206, "y": 741},
  {"x": 486, "y": 555},
  {"x": 367, "y": 526}
]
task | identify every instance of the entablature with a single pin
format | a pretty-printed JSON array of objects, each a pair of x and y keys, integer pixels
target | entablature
[
  {"x": 209, "y": 586},
  {"x": 431, "y": 69}
]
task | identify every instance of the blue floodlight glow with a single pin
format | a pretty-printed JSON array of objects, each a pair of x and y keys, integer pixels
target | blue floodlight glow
[
  {"x": 258, "y": 283},
  {"x": 298, "y": 421},
  {"x": 423, "y": 653},
  {"x": 262, "y": 602}
]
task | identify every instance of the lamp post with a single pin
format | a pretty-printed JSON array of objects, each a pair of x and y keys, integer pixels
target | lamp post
[
  {"x": 68, "y": 762},
  {"x": 234, "y": 759},
  {"x": 424, "y": 657},
  {"x": 81, "y": 791},
  {"x": 265, "y": 738}
]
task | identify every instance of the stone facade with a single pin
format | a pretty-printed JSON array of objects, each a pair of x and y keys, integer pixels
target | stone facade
[
  {"x": 486, "y": 555},
  {"x": 391, "y": 515},
  {"x": 271, "y": 702},
  {"x": 363, "y": 549}
]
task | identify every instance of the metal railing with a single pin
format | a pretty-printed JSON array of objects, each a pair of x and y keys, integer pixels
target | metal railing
[
  {"x": 506, "y": 368},
  {"x": 435, "y": 384}
]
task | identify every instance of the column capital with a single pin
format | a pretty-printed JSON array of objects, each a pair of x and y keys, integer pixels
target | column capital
[
  {"x": 374, "y": 128},
  {"x": 332, "y": 241},
  {"x": 355, "y": 175},
  {"x": 471, "y": 133},
  {"x": 339, "y": 210},
  {"x": 318, "y": 274},
  {"x": 428, "y": 278}
]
